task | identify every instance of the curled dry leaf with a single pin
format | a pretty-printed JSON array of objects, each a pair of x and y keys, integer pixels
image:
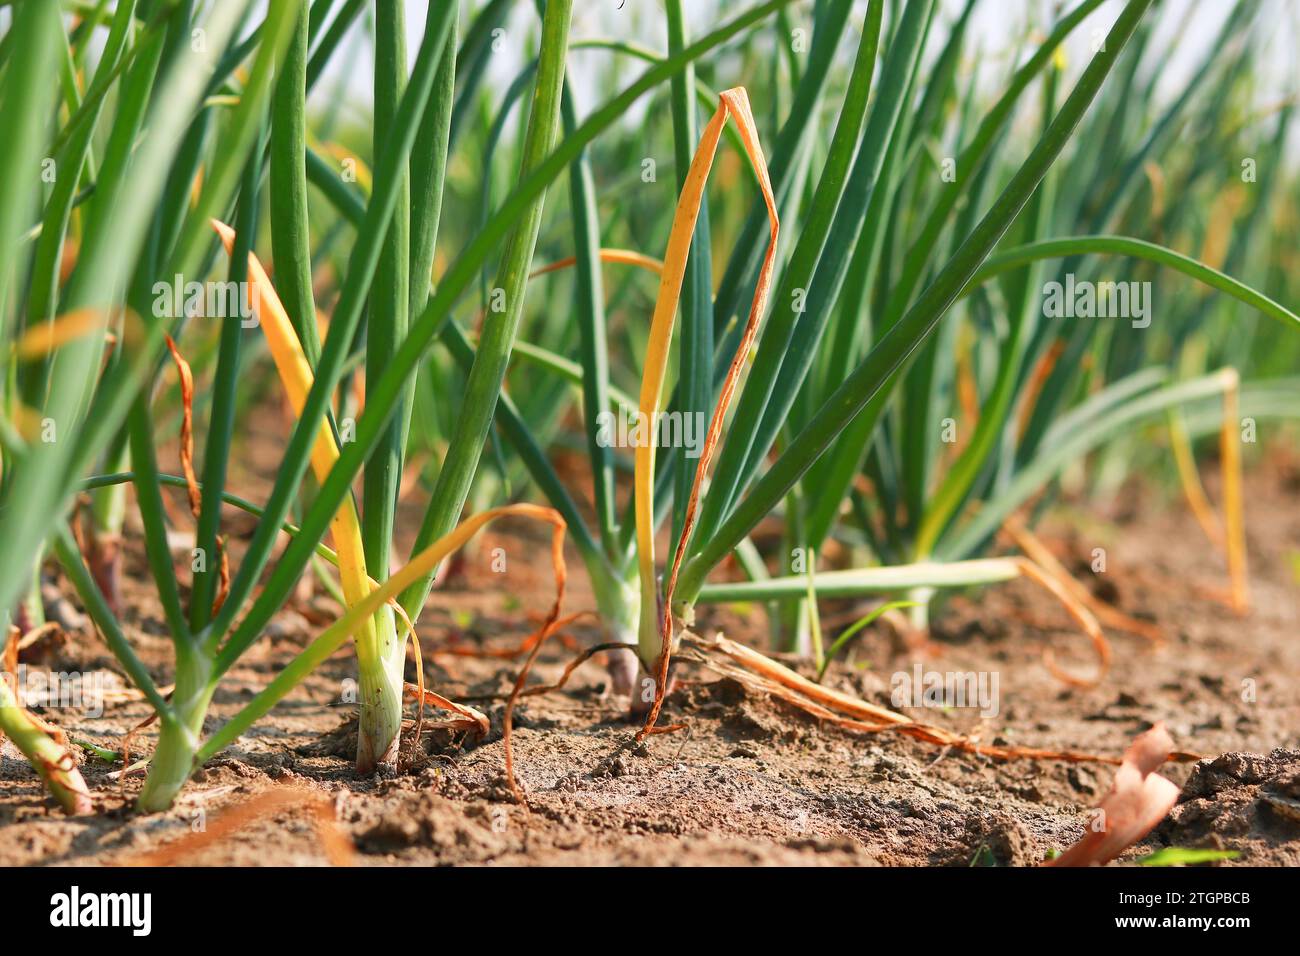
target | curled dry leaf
[
  {"x": 1035, "y": 550},
  {"x": 759, "y": 671},
  {"x": 734, "y": 104},
  {"x": 626, "y": 257},
  {"x": 552, "y": 624},
  {"x": 1138, "y": 799},
  {"x": 467, "y": 718},
  {"x": 520, "y": 649},
  {"x": 1234, "y": 521},
  {"x": 1082, "y": 616},
  {"x": 195, "y": 493},
  {"x": 334, "y": 843},
  {"x": 186, "y": 378}
]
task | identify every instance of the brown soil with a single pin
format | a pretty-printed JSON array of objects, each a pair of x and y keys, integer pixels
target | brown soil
[{"x": 750, "y": 780}]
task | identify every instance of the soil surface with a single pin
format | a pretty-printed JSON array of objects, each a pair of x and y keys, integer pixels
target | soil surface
[{"x": 750, "y": 780}]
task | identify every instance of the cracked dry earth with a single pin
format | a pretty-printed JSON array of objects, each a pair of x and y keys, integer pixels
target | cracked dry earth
[{"x": 753, "y": 780}]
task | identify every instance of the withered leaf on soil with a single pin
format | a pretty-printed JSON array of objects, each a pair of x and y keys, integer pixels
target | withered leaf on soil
[{"x": 1138, "y": 799}]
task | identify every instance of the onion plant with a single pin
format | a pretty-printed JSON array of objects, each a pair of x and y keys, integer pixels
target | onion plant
[
  {"x": 206, "y": 638},
  {"x": 51, "y": 443},
  {"x": 172, "y": 115},
  {"x": 845, "y": 367},
  {"x": 869, "y": 284},
  {"x": 907, "y": 376}
]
